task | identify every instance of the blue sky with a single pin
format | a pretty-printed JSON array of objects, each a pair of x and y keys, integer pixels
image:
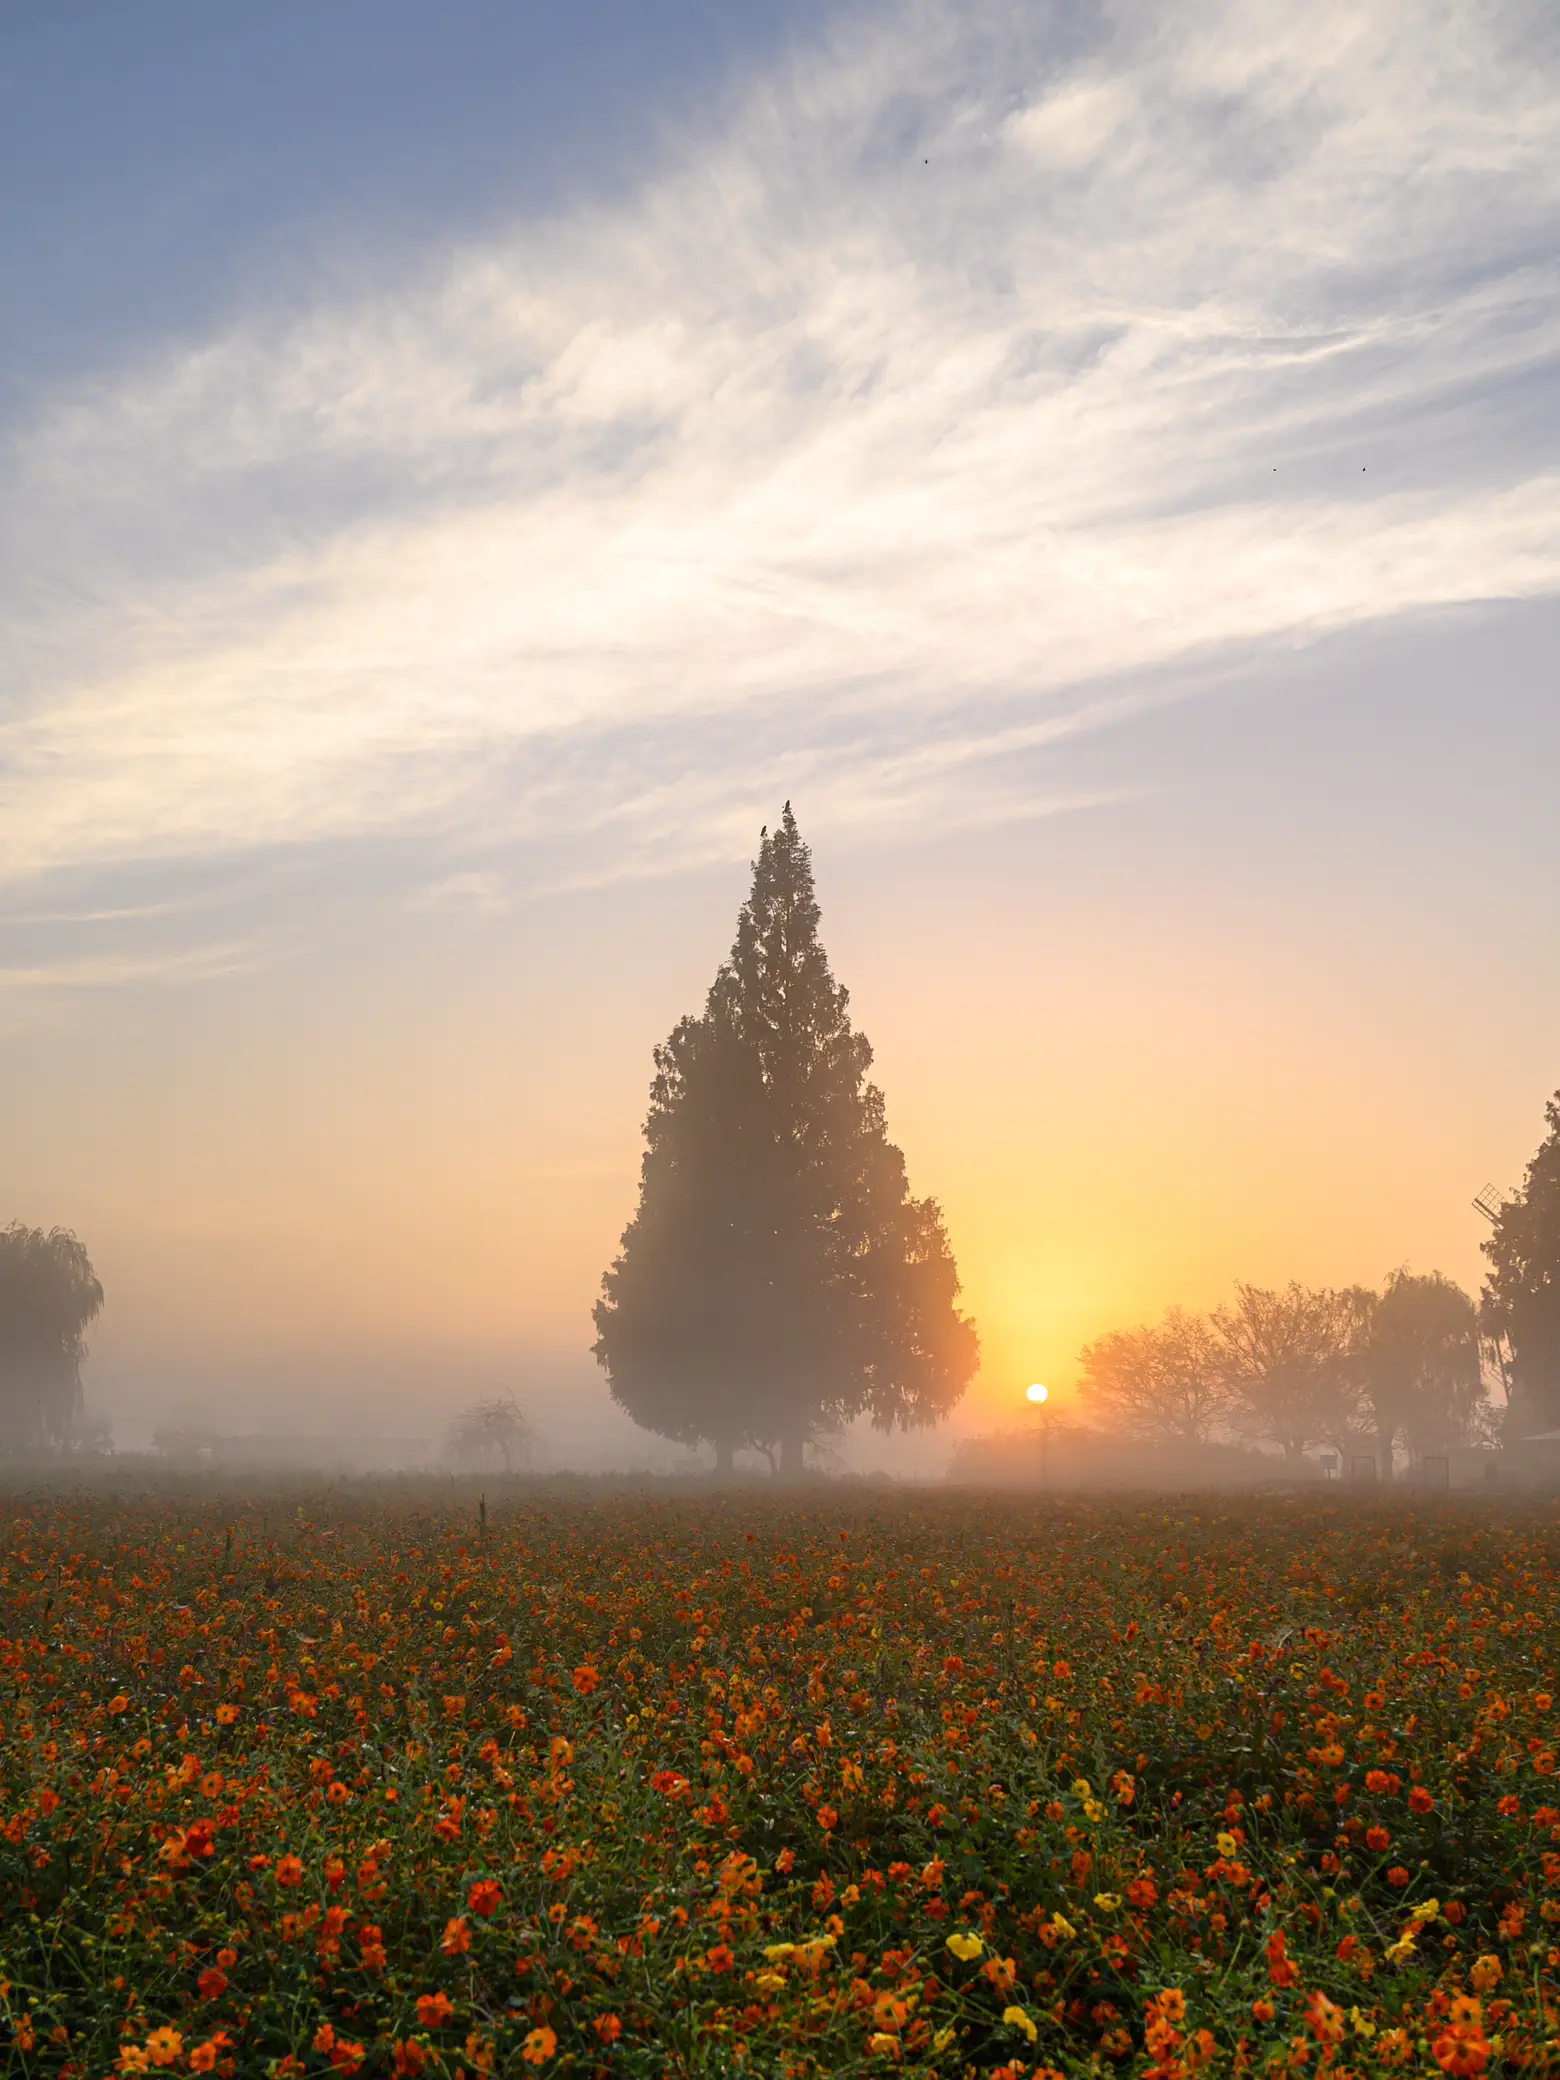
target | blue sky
[
  {"x": 164, "y": 165},
  {"x": 461, "y": 469}
]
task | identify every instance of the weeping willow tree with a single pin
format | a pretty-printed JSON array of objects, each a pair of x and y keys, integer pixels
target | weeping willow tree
[{"x": 49, "y": 1295}]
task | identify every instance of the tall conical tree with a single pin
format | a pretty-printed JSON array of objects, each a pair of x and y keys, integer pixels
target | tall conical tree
[{"x": 778, "y": 1276}]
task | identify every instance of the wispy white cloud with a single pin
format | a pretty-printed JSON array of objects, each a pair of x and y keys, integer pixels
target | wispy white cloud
[
  {"x": 113, "y": 970},
  {"x": 979, "y": 363}
]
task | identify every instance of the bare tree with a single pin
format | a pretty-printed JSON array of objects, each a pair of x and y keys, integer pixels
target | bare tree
[
  {"x": 1290, "y": 1361},
  {"x": 495, "y": 1427},
  {"x": 1163, "y": 1383}
]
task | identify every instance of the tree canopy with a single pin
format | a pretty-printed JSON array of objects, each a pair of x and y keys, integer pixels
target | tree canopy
[
  {"x": 1301, "y": 1366},
  {"x": 778, "y": 1276},
  {"x": 49, "y": 1294},
  {"x": 1420, "y": 1371},
  {"x": 1164, "y": 1383},
  {"x": 1522, "y": 1292}
]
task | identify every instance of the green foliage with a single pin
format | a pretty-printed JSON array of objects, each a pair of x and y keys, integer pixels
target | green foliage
[
  {"x": 1522, "y": 1292},
  {"x": 650, "y": 1787},
  {"x": 49, "y": 1294},
  {"x": 778, "y": 1276}
]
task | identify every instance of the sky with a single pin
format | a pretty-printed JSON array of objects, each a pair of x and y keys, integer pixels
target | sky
[{"x": 462, "y": 470}]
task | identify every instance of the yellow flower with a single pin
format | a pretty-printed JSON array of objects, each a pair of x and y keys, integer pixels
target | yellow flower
[
  {"x": 778, "y": 1952},
  {"x": 1227, "y": 1844},
  {"x": 1019, "y": 2018},
  {"x": 1063, "y": 1926},
  {"x": 1363, "y": 2026},
  {"x": 1082, "y": 1788},
  {"x": 943, "y": 2038},
  {"x": 882, "y": 2045},
  {"x": 770, "y": 1982},
  {"x": 965, "y": 1947},
  {"x": 1107, "y": 1902}
]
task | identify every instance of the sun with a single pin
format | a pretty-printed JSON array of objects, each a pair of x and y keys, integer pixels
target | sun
[{"x": 1037, "y": 1393}]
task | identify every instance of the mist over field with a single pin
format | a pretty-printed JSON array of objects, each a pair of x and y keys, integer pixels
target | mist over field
[{"x": 779, "y": 1136}]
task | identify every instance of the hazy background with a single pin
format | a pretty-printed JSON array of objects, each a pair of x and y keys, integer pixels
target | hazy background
[{"x": 459, "y": 473}]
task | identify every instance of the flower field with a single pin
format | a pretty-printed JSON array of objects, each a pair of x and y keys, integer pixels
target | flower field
[{"x": 831, "y": 1784}]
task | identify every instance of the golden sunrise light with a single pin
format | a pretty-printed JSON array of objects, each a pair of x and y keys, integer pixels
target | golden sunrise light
[{"x": 721, "y": 720}]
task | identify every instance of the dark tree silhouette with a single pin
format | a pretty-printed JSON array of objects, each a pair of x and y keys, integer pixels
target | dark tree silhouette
[
  {"x": 49, "y": 1294},
  {"x": 778, "y": 1277},
  {"x": 1420, "y": 1371},
  {"x": 1522, "y": 1292},
  {"x": 1290, "y": 1363}
]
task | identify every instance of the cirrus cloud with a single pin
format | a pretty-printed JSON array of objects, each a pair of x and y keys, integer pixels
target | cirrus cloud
[{"x": 964, "y": 379}]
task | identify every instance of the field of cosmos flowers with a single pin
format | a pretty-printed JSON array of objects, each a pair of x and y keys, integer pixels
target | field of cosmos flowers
[{"x": 384, "y": 1781}]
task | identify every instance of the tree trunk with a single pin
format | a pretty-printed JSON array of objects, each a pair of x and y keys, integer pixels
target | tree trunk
[
  {"x": 725, "y": 1456},
  {"x": 792, "y": 1466}
]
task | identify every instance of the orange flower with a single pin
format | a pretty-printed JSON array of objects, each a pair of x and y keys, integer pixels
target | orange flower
[
  {"x": 608, "y": 2028},
  {"x": 457, "y": 1936},
  {"x": 1462, "y": 2050},
  {"x": 118, "y": 1704},
  {"x": 586, "y": 1680},
  {"x": 407, "y": 2058},
  {"x": 539, "y": 2046},
  {"x": 212, "y": 1984},
  {"x": 1420, "y": 1800},
  {"x": 485, "y": 1897},
  {"x": 1378, "y": 1839},
  {"x": 1281, "y": 1969},
  {"x": 289, "y": 1871},
  {"x": 163, "y": 2046},
  {"x": 204, "y": 2057},
  {"x": 1324, "y": 2017},
  {"x": 434, "y": 2009},
  {"x": 226, "y": 1714}
]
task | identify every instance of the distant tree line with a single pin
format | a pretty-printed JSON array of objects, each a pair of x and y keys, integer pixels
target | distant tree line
[
  {"x": 1301, "y": 1367},
  {"x": 1402, "y": 1370}
]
